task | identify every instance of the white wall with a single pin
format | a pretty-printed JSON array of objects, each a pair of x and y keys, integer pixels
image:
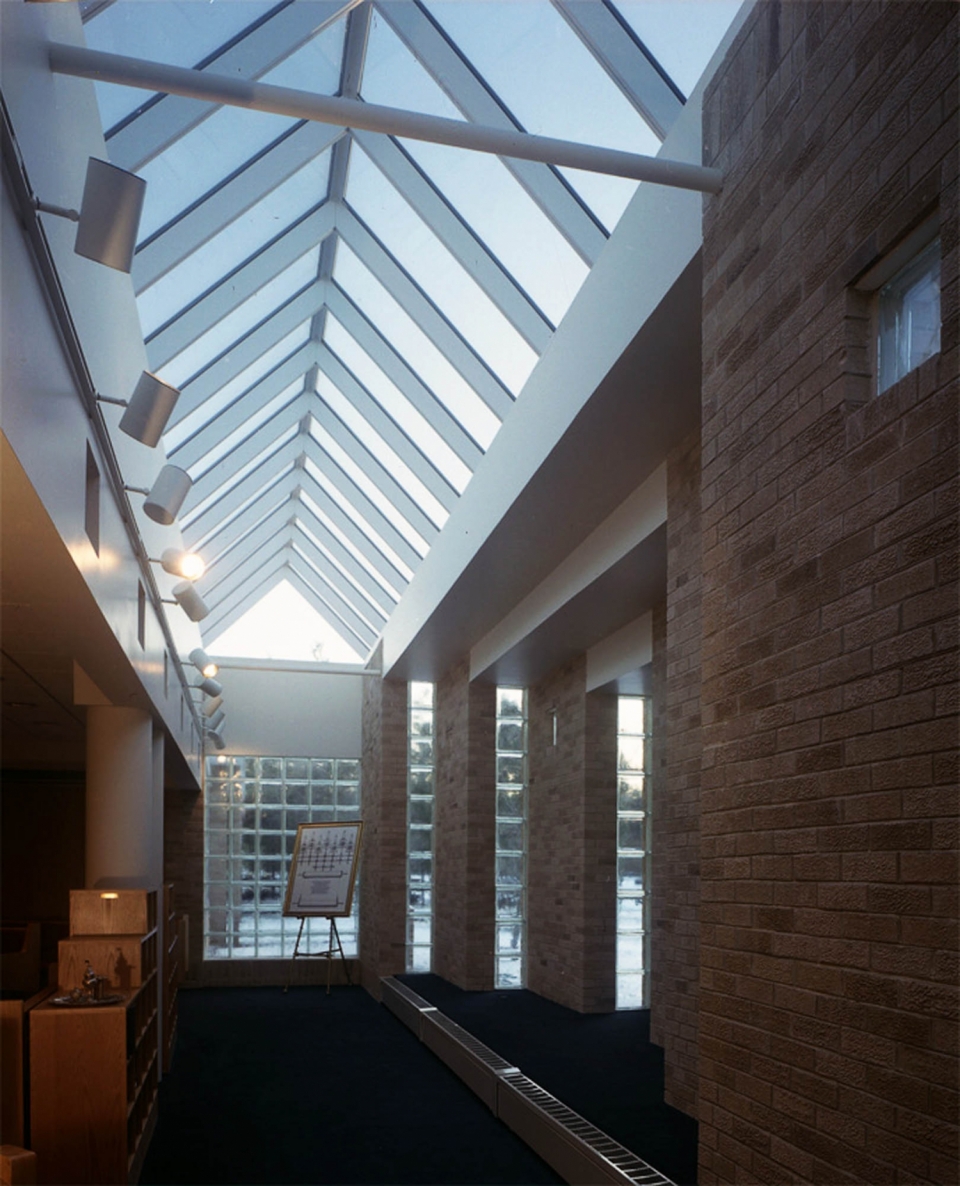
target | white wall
[{"x": 296, "y": 710}]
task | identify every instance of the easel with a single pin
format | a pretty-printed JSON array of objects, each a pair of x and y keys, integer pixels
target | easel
[{"x": 328, "y": 955}]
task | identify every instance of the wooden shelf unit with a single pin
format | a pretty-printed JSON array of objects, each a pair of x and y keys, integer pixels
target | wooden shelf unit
[
  {"x": 172, "y": 974},
  {"x": 95, "y": 1069}
]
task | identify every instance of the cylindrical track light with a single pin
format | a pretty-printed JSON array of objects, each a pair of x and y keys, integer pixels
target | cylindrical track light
[
  {"x": 203, "y": 663},
  {"x": 181, "y": 564},
  {"x": 149, "y": 409},
  {"x": 210, "y": 687},
  {"x": 193, "y": 605},
  {"x": 109, "y": 215},
  {"x": 212, "y": 706},
  {"x": 217, "y": 740},
  {"x": 217, "y": 720},
  {"x": 165, "y": 497}
]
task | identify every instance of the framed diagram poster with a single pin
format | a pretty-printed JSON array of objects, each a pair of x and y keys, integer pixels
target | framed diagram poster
[{"x": 323, "y": 870}]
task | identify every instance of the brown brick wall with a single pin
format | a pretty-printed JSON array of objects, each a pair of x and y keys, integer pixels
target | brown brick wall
[
  {"x": 383, "y": 858},
  {"x": 675, "y": 860},
  {"x": 828, "y": 1011},
  {"x": 464, "y": 830},
  {"x": 183, "y": 865},
  {"x": 572, "y": 812}
]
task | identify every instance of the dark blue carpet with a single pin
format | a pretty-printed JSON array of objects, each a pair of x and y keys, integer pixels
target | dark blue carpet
[{"x": 299, "y": 1087}]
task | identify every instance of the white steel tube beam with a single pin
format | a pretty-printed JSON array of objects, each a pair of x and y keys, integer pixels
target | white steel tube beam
[{"x": 176, "y": 80}]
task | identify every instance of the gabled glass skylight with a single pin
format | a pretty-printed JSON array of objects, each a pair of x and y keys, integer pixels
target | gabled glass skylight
[{"x": 350, "y": 317}]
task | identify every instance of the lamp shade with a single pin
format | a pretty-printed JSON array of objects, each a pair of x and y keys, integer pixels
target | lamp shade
[
  {"x": 209, "y": 687},
  {"x": 217, "y": 720},
  {"x": 212, "y": 706},
  {"x": 203, "y": 663},
  {"x": 217, "y": 740},
  {"x": 166, "y": 495},
  {"x": 195, "y": 608},
  {"x": 149, "y": 409},
  {"x": 110, "y": 215}
]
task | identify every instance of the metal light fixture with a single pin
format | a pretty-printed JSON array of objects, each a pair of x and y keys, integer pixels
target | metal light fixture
[
  {"x": 210, "y": 687},
  {"x": 212, "y": 706},
  {"x": 179, "y": 563},
  {"x": 194, "y": 607},
  {"x": 147, "y": 410},
  {"x": 109, "y": 214},
  {"x": 217, "y": 739},
  {"x": 165, "y": 497},
  {"x": 216, "y": 721},
  {"x": 203, "y": 663}
]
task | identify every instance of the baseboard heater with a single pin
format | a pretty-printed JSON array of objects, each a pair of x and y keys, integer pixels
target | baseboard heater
[{"x": 576, "y": 1149}]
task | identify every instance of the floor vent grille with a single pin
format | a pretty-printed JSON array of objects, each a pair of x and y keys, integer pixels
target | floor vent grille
[{"x": 580, "y": 1152}]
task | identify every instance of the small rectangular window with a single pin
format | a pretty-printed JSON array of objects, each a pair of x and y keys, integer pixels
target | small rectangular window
[
  {"x": 908, "y": 317},
  {"x": 166, "y": 675},
  {"x": 141, "y": 614},
  {"x": 91, "y": 502}
]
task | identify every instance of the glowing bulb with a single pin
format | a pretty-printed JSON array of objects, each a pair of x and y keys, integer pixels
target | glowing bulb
[
  {"x": 192, "y": 567},
  {"x": 110, "y": 897}
]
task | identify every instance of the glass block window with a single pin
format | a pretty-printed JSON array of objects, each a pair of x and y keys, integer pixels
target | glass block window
[
  {"x": 909, "y": 317},
  {"x": 511, "y": 850},
  {"x": 420, "y": 800},
  {"x": 633, "y": 737},
  {"x": 253, "y": 807}
]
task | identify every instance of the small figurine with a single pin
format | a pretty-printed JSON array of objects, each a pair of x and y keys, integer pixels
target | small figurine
[{"x": 90, "y": 979}]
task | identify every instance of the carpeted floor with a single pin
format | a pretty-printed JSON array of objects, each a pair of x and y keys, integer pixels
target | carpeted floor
[
  {"x": 273, "y": 1088},
  {"x": 602, "y": 1065}
]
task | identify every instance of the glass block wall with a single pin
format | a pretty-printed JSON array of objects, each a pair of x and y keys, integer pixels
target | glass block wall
[
  {"x": 420, "y": 785},
  {"x": 633, "y": 720},
  {"x": 252, "y": 809},
  {"x": 511, "y": 853}
]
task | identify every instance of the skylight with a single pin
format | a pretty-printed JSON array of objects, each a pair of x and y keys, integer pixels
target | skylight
[{"x": 350, "y": 317}]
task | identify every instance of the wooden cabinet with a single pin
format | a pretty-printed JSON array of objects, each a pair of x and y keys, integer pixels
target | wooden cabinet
[
  {"x": 94, "y": 1070},
  {"x": 93, "y": 1088}
]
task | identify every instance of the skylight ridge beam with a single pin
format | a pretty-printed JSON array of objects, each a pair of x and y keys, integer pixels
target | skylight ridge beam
[
  {"x": 504, "y": 142},
  {"x": 370, "y": 615},
  {"x": 192, "y": 322},
  {"x": 191, "y": 451},
  {"x": 403, "y": 376},
  {"x": 420, "y": 309},
  {"x": 375, "y": 471},
  {"x": 459, "y": 238},
  {"x": 355, "y": 574},
  {"x": 137, "y": 140},
  {"x": 363, "y": 505},
  {"x": 446, "y": 65},
  {"x": 204, "y": 219},
  {"x": 384, "y": 426},
  {"x": 624, "y": 58}
]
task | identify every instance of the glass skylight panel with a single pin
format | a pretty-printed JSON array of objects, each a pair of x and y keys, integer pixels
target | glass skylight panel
[
  {"x": 369, "y": 488},
  {"x": 396, "y": 405},
  {"x": 203, "y": 158},
  {"x": 407, "y": 237},
  {"x": 315, "y": 66},
  {"x": 322, "y": 587},
  {"x": 482, "y": 190},
  {"x": 552, "y": 84},
  {"x": 234, "y": 244},
  {"x": 231, "y": 440},
  {"x": 178, "y": 34},
  {"x": 359, "y": 598},
  {"x": 351, "y": 511},
  {"x": 414, "y": 346},
  {"x": 196, "y": 419},
  {"x": 347, "y": 543},
  {"x": 371, "y": 440},
  {"x": 244, "y": 317},
  {"x": 197, "y": 544},
  {"x": 681, "y": 34}
]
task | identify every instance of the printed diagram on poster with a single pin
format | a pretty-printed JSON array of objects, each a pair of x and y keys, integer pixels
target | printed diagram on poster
[{"x": 323, "y": 870}]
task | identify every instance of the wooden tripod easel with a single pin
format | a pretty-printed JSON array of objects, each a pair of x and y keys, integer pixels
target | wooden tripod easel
[{"x": 328, "y": 955}]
